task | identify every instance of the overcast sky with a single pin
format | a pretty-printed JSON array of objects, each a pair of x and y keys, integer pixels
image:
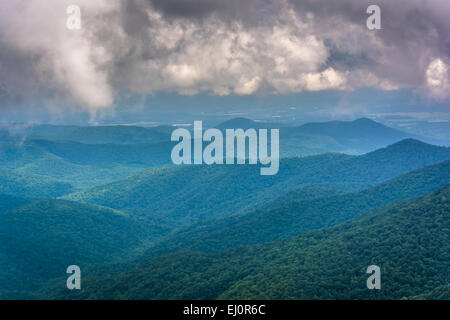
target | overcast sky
[{"x": 130, "y": 52}]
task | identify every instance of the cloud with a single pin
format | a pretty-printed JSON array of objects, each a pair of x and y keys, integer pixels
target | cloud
[
  {"x": 141, "y": 47},
  {"x": 46, "y": 57},
  {"x": 437, "y": 76}
]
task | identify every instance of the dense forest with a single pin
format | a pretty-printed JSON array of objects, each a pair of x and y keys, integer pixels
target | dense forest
[
  {"x": 408, "y": 240},
  {"x": 305, "y": 209},
  {"x": 109, "y": 200}
]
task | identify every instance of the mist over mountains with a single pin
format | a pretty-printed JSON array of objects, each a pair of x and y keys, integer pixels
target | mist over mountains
[
  {"x": 347, "y": 195},
  {"x": 325, "y": 264},
  {"x": 329, "y": 158}
]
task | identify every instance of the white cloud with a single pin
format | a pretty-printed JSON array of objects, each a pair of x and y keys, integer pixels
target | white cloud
[
  {"x": 64, "y": 61},
  {"x": 247, "y": 86},
  {"x": 437, "y": 77},
  {"x": 288, "y": 49}
]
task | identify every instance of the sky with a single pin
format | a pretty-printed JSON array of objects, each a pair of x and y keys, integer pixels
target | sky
[{"x": 173, "y": 60}]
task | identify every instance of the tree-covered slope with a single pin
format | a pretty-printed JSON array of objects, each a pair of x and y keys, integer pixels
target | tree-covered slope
[
  {"x": 409, "y": 241},
  {"x": 191, "y": 193},
  {"x": 31, "y": 185},
  {"x": 82, "y": 165},
  {"x": 8, "y": 202},
  {"x": 108, "y": 154},
  {"x": 439, "y": 293},
  {"x": 300, "y": 211},
  {"x": 358, "y": 136},
  {"x": 13, "y": 155},
  {"x": 39, "y": 240},
  {"x": 80, "y": 176},
  {"x": 114, "y": 134},
  {"x": 352, "y": 137}
]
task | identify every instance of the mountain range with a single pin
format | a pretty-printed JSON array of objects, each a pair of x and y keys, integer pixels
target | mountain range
[
  {"x": 408, "y": 240},
  {"x": 302, "y": 210},
  {"x": 109, "y": 200}
]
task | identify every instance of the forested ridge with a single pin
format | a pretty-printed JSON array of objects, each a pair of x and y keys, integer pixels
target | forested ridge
[
  {"x": 109, "y": 200},
  {"x": 408, "y": 240},
  {"x": 302, "y": 211}
]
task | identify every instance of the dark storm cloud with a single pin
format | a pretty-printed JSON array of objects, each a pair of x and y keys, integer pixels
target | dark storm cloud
[
  {"x": 198, "y": 9},
  {"x": 221, "y": 47},
  {"x": 414, "y": 33},
  {"x": 403, "y": 21},
  {"x": 134, "y": 19}
]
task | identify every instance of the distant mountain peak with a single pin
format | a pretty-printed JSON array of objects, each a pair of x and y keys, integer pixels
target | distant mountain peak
[
  {"x": 345, "y": 124},
  {"x": 412, "y": 147},
  {"x": 244, "y": 123},
  {"x": 366, "y": 121},
  {"x": 240, "y": 121},
  {"x": 410, "y": 142}
]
